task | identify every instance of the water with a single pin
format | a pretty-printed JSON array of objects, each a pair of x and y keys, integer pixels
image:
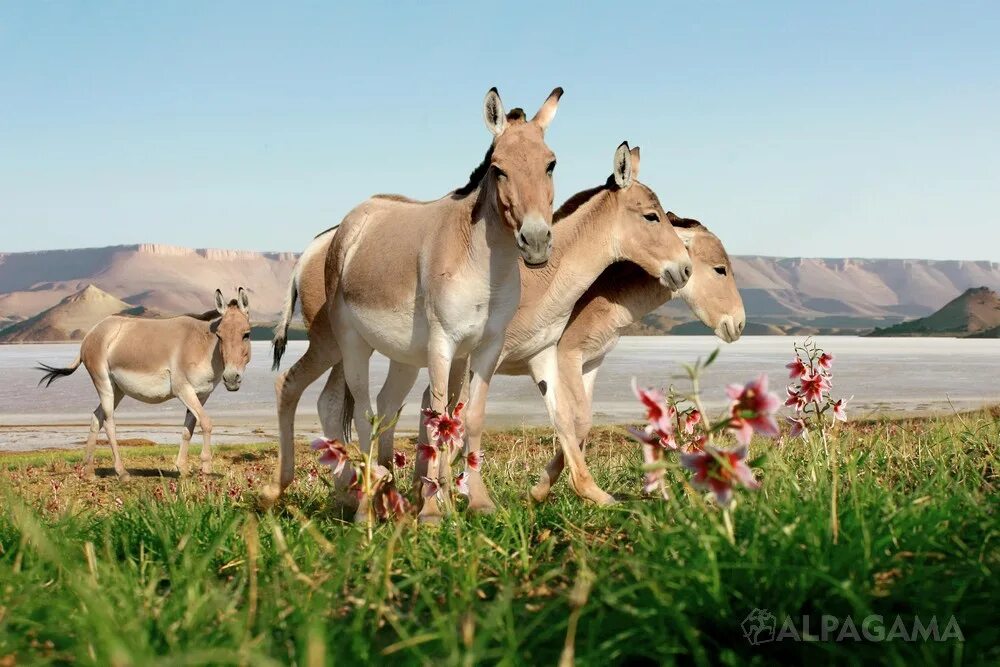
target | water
[{"x": 884, "y": 375}]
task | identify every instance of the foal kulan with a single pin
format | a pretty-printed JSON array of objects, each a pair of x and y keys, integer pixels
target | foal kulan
[{"x": 154, "y": 360}]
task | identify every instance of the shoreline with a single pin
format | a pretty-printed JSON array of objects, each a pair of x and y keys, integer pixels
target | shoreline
[{"x": 18, "y": 439}]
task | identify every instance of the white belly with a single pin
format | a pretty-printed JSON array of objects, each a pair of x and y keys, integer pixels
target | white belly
[{"x": 146, "y": 387}]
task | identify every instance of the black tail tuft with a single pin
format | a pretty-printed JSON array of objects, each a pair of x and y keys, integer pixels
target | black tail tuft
[
  {"x": 278, "y": 345},
  {"x": 52, "y": 373},
  {"x": 347, "y": 418}
]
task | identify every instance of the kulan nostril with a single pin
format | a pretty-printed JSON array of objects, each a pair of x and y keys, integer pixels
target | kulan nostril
[{"x": 520, "y": 239}]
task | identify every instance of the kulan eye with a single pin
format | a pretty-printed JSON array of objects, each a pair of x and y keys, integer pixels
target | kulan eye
[
  {"x": 652, "y": 217},
  {"x": 246, "y": 336},
  {"x": 721, "y": 270},
  {"x": 501, "y": 174},
  {"x": 551, "y": 168}
]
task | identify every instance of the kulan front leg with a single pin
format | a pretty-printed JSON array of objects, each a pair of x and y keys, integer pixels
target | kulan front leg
[
  {"x": 484, "y": 362},
  {"x": 573, "y": 397},
  {"x": 193, "y": 403},
  {"x": 438, "y": 369},
  {"x": 181, "y": 462},
  {"x": 545, "y": 371},
  {"x": 458, "y": 392}
]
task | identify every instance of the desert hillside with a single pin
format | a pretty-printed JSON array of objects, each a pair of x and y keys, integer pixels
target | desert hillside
[
  {"x": 791, "y": 295},
  {"x": 976, "y": 312},
  {"x": 162, "y": 278},
  {"x": 70, "y": 319}
]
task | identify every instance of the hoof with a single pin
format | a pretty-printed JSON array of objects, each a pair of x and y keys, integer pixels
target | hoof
[
  {"x": 269, "y": 496},
  {"x": 90, "y": 473},
  {"x": 124, "y": 476},
  {"x": 183, "y": 471},
  {"x": 206, "y": 468},
  {"x": 604, "y": 499},
  {"x": 482, "y": 507},
  {"x": 429, "y": 519},
  {"x": 540, "y": 492}
]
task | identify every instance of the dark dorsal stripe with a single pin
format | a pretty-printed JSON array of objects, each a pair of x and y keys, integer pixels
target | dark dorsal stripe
[{"x": 571, "y": 205}]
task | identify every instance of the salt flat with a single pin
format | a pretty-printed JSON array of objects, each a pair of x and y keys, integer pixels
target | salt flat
[{"x": 885, "y": 375}]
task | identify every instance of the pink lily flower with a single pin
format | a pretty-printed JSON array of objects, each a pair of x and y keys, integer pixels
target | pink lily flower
[
  {"x": 659, "y": 417},
  {"x": 431, "y": 487},
  {"x": 825, "y": 360},
  {"x": 475, "y": 460},
  {"x": 794, "y": 398},
  {"x": 398, "y": 458},
  {"x": 691, "y": 420},
  {"x": 652, "y": 480},
  {"x": 839, "y": 411},
  {"x": 444, "y": 429},
  {"x": 427, "y": 453},
  {"x": 796, "y": 368},
  {"x": 752, "y": 409},
  {"x": 814, "y": 386},
  {"x": 719, "y": 471},
  {"x": 697, "y": 443},
  {"x": 648, "y": 436},
  {"x": 462, "y": 483},
  {"x": 332, "y": 453},
  {"x": 393, "y": 504},
  {"x": 798, "y": 427}
]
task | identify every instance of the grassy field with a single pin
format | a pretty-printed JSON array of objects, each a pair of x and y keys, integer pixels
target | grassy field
[{"x": 186, "y": 571}]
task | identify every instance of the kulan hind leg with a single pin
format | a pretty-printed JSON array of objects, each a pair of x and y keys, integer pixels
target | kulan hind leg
[
  {"x": 111, "y": 396},
  {"x": 96, "y": 423},
  {"x": 181, "y": 463}
]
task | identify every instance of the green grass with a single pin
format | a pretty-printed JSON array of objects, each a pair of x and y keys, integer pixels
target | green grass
[{"x": 164, "y": 571}]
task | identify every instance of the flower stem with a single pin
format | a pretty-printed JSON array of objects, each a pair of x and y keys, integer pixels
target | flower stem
[
  {"x": 727, "y": 519},
  {"x": 834, "y": 485}
]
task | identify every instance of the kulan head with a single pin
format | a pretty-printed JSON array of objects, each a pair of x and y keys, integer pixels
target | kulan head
[
  {"x": 644, "y": 233},
  {"x": 521, "y": 168},
  {"x": 233, "y": 332},
  {"x": 711, "y": 292}
]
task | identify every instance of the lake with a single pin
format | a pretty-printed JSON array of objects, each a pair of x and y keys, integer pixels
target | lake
[{"x": 884, "y": 375}]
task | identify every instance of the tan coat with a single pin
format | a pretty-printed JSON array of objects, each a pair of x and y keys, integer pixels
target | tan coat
[
  {"x": 154, "y": 360},
  {"x": 426, "y": 282}
]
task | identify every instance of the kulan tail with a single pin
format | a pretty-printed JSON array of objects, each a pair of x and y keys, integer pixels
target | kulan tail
[
  {"x": 52, "y": 373},
  {"x": 280, "y": 341}
]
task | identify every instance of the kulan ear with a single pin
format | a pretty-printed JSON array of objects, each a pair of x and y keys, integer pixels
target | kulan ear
[
  {"x": 220, "y": 302},
  {"x": 243, "y": 301},
  {"x": 493, "y": 114},
  {"x": 623, "y": 166},
  {"x": 635, "y": 163},
  {"x": 548, "y": 109},
  {"x": 686, "y": 234}
]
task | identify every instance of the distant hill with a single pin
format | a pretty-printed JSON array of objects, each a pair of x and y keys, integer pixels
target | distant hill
[
  {"x": 974, "y": 313},
  {"x": 70, "y": 319},
  {"x": 164, "y": 278},
  {"x": 790, "y": 295}
]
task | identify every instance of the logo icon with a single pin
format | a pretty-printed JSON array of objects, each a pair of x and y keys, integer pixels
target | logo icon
[{"x": 758, "y": 627}]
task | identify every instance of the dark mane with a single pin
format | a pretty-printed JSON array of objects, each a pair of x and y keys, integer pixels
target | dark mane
[
  {"x": 209, "y": 315},
  {"x": 328, "y": 229},
  {"x": 571, "y": 205},
  {"x": 477, "y": 175},
  {"x": 684, "y": 223}
]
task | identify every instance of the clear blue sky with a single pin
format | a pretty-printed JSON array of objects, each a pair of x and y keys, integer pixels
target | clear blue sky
[{"x": 862, "y": 129}]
